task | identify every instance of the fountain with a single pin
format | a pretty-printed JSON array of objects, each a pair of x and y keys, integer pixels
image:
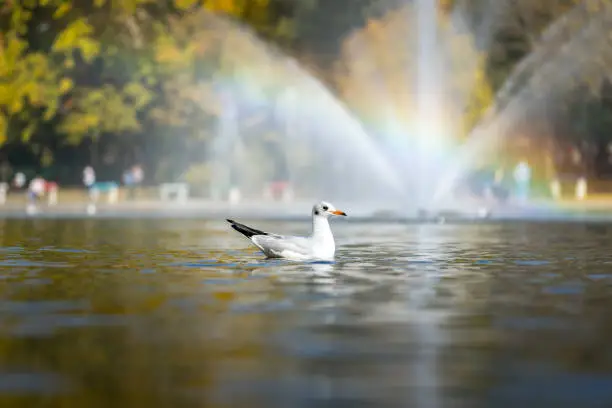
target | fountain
[
  {"x": 427, "y": 96},
  {"x": 302, "y": 134},
  {"x": 420, "y": 90}
]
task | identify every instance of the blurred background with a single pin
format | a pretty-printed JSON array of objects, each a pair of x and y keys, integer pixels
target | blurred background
[{"x": 416, "y": 102}]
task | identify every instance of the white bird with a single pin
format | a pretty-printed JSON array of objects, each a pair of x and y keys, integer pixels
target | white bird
[{"x": 319, "y": 245}]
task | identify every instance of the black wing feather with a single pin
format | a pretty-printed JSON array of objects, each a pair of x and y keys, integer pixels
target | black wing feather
[{"x": 244, "y": 230}]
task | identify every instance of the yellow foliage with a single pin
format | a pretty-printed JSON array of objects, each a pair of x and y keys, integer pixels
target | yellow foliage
[
  {"x": 140, "y": 95},
  {"x": 29, "y": 130},
  {"x": 70, "y": 37},
  {"x": 6, "y": 91},
  {"x": 19, "y": 19},
  {"x": 3, "y": 128},
  {"x": 16, "y": 105},
  {"x": 34, "y": 93},
  {"x": 231, "y": 7},
  {"x": 106, "y": 109},
  {"x": 62, "y": 10},
  {"x": 28, "y": 79},
  {"x": 129, "y": 6},
  {"x": 11, "y": 52},
  {"x": 89, "y": 49},
  {"x": 185, "y": 4},
  {"x": 90, "y": 120},
  {"x": 65, "y": 85},
  {"x": 167, "y": 54},
  {"x": 51, "y": 110},
  {"x": 77, "y": 36}
]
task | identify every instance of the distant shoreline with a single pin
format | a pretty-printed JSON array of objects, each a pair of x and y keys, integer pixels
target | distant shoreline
[{"x": 589, "y": 210}]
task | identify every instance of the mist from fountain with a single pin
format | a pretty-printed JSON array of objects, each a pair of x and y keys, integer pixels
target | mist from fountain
[
  {"x": 540, "y": 81},
  {"x": 300, "y": 132}
]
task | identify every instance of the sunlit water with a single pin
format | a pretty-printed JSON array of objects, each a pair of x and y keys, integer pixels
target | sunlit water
[{"x": 182, "y": 313}]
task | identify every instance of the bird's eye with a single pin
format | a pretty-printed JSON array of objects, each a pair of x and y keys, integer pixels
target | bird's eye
[{"x": 325, "y": 208}]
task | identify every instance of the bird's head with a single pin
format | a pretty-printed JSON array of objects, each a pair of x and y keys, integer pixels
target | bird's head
[{"x": 325, "y": 209}]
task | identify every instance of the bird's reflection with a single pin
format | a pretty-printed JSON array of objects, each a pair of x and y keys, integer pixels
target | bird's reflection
[
  {"x": 322, "y": 271},
  {"x": 284, "y": 268}
]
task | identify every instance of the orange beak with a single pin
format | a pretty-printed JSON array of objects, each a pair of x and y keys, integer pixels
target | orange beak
[{"x": 338, "y": 212}]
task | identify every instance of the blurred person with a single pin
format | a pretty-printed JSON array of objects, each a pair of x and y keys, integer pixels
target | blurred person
[
  {"x": 522, "y": 180},
  {"x": 498, "y": 189},
  {"x": 128, "y": 182},
  {"x": 36, "y": 190},
  {"x": 51, "y": 189},
  {"x": 5, "y": 176},
  {"x": 4, "y": 187},
  {"x": 137, "y": 178},
  {"x": 19, "y": 180},
  {"x": 138, "y": 174},
  {"x": 89, "y": 180},
  {"x": 89, "y": 176}
]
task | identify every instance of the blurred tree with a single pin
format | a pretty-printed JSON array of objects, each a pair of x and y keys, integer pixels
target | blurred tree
[
  {"x": 92, "y": 68},
  {"x": 518, "y": 27},
  {"x": 576, "y": 42},
  {"x": 104, "y": 110},
  {"x": 31, "y": 86}
]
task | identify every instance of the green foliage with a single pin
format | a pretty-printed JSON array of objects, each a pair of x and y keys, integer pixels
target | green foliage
[
  {"x": 77, "y": 37},
  {"x": 185, "y": 4},
  {"x": 29, "y": 82},
  {"x": 3, "y": 127},
  {"x": 105, "y": 110}
]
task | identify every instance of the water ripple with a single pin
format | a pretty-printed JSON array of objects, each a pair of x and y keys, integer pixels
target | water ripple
[{"x": 27, "y": 263}]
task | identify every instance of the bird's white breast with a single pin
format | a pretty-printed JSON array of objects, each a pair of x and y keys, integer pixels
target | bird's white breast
[{"x": 325, "y": 249}]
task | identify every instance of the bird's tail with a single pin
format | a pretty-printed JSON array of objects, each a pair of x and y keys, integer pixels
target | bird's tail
[{"x": 244, "y": 230}]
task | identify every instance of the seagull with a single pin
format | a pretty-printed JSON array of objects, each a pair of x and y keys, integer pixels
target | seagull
[{"x": 319, "y": 246}]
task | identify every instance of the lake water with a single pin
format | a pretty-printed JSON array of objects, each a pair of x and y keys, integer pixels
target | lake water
[{"x": 184, "y": 313}]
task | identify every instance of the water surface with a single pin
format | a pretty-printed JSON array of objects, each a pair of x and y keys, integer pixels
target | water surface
[{"x": 182, "y": 313}]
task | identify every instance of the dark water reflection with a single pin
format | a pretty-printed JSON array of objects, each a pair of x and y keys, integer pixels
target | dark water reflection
[{"x": 99, "y": 313}]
